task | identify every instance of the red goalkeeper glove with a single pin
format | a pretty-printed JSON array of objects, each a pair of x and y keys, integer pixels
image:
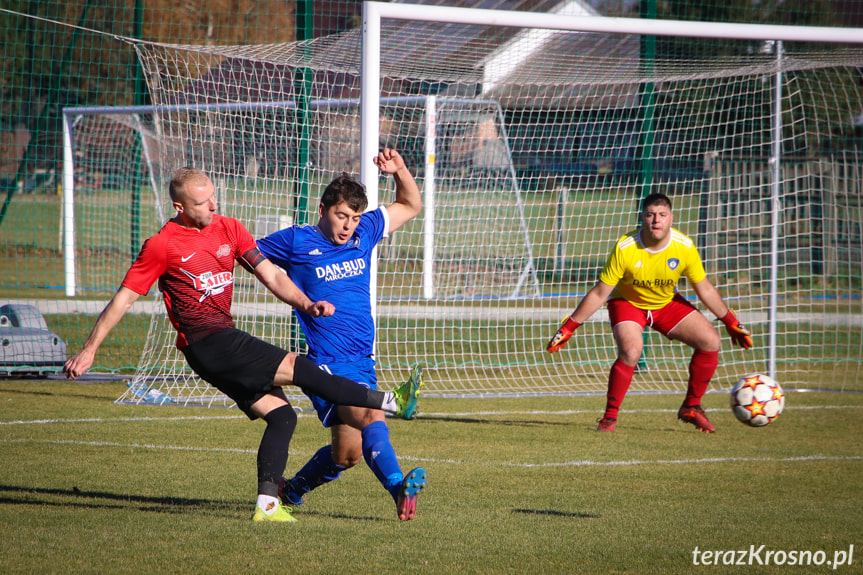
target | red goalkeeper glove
[
  {"x": 741, "y": 336},
  {"x": 562, "y": 336}
]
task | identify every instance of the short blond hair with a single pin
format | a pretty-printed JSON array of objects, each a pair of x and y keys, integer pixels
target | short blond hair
[{"x": 183, "y": 176}]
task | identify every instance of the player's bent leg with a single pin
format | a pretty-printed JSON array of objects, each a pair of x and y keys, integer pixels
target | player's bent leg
[
  {"x": 702, "y": 366},
  {"x": 406, "y": 499},
  {"x": 319, "y": 470},
  {"x": 348, "y": 440},
  {"x": 303, "y": 373},
  {"x": 697, "y": 332},
  {"x": 366, "y": 430},
  {"x": 629, "y": 340},
  {"x": 619, "y": 379},
  {"x": 273, "y": 456},
  {"x": 380, "y": 455}
]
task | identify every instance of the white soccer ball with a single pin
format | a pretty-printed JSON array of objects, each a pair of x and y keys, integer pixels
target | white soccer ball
[{"x": 757, "y": 400}]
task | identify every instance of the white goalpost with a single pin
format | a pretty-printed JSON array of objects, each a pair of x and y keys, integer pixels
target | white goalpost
[
  {"x": 533, "y": 137},
  {"x": 107, "y": 152},
  {"x": 101, "y": 143}
]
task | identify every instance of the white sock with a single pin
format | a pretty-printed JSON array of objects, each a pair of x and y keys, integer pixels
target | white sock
[
  {"x": 389, "y": 402},
  {"x": 268, "y": 503}
]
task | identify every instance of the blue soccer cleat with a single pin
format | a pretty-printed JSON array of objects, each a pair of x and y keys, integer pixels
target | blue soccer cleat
[
  {"x": 406, "y": 499},
  {"x": 288, "y": 495}
]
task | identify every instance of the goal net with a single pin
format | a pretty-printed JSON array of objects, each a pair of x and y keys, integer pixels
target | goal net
[
  {"x": 533, "y": 153},
  {"x": 111, "y": 183}
]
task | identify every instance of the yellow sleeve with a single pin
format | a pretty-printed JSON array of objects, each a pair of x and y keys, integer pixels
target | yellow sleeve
[
  {"x": 694, "y": 270},
  {"x": 615, "y": 266}
]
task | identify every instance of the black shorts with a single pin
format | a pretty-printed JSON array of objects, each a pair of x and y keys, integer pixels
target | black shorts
[{"x": 238, "y": 364}]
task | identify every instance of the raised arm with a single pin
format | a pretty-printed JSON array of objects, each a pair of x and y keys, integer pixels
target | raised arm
[
  {"x": 110, "y": 317},
  {"x": 408, "y": 201}
]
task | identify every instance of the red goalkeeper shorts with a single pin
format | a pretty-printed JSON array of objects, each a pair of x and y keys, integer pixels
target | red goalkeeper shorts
[{"x": 663, "y": 320}]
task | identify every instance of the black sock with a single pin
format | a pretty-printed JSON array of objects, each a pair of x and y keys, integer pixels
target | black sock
[
  {"x": 334, "y": 388},
  {"x": 273, "y": 451}
]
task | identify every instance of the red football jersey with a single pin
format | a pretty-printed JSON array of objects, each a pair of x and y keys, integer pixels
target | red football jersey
[{"x": 195, "y": 269}]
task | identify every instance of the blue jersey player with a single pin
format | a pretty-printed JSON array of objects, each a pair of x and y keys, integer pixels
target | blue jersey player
[{"x": 332, "y": 261}]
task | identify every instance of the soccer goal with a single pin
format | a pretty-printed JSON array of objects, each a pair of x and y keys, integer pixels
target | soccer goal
[
  {"x": 548, "y": 130},
  {"x": 111, "y": 175}
]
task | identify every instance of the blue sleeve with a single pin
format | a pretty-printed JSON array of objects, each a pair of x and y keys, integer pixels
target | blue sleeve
[
  {"x": 278, "y": 247},
  {"x": 374, "y": 224}
]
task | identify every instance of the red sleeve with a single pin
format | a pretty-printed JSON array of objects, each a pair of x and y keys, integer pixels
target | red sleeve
[
  {"x": 151, "y": 263},
  {"x": 243, "y": 240}
]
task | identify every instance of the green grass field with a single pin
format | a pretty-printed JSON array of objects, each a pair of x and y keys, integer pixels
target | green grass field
[{"x": 515, "y": 486}]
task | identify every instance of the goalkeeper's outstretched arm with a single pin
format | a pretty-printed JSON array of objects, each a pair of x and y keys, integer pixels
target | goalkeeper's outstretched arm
[
  {"x": 711, "y": 298},
  {"x": 588, "y": 305}
]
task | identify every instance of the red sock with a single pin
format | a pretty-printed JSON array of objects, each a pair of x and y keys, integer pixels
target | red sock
[
  {"x": 701, "y": 369},
  {"x": 618, "y": 384}
]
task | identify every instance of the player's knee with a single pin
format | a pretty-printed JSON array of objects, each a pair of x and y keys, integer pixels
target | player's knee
[
  {"x": 710, "y": 341},
  {"x": 282, "y": 418},
  {"x": 347, "y": 459},
  {"x": 630, "y": 356},
  {"x": 359, "y": 417},
  {"x": 714, "y": 346},
  {"x": 369, "y": 416}
]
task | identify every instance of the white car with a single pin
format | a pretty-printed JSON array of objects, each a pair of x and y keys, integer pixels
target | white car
[{"x": 27, "y": 346}]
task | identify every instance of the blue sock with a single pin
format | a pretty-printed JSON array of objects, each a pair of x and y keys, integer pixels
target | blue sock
[
  {"x": 318, "y": 470},
  {"x": 381, "y": 457}
]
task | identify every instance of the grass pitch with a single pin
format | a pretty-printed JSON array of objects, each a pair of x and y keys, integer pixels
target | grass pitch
[{"x": 515, "y": 486}]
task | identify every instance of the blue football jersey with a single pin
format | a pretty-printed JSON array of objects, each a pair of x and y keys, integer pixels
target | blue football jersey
[{"x": 337, "y": 274}]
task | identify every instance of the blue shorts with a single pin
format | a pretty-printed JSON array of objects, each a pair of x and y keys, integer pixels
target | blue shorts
[{"x": 361, "y": 371}]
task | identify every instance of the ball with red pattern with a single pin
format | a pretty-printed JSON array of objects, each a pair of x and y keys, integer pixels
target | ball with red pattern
[{"x": 757, "y": 400}]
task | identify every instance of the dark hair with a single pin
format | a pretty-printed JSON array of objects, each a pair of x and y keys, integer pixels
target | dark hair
[
  {"x": 180, "y": 178},
  {"x": 347, "y": 189},
  {"x": 655, "y": 199}
]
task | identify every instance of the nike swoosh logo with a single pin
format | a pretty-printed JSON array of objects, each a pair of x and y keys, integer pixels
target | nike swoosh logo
[{"x": 187, "y": 258}]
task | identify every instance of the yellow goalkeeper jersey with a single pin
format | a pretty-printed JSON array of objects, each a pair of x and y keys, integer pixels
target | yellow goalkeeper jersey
[{"x": 648, "y": 279}]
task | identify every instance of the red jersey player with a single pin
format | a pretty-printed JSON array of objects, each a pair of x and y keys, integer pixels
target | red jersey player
[{"x": 192, "y": 257}]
